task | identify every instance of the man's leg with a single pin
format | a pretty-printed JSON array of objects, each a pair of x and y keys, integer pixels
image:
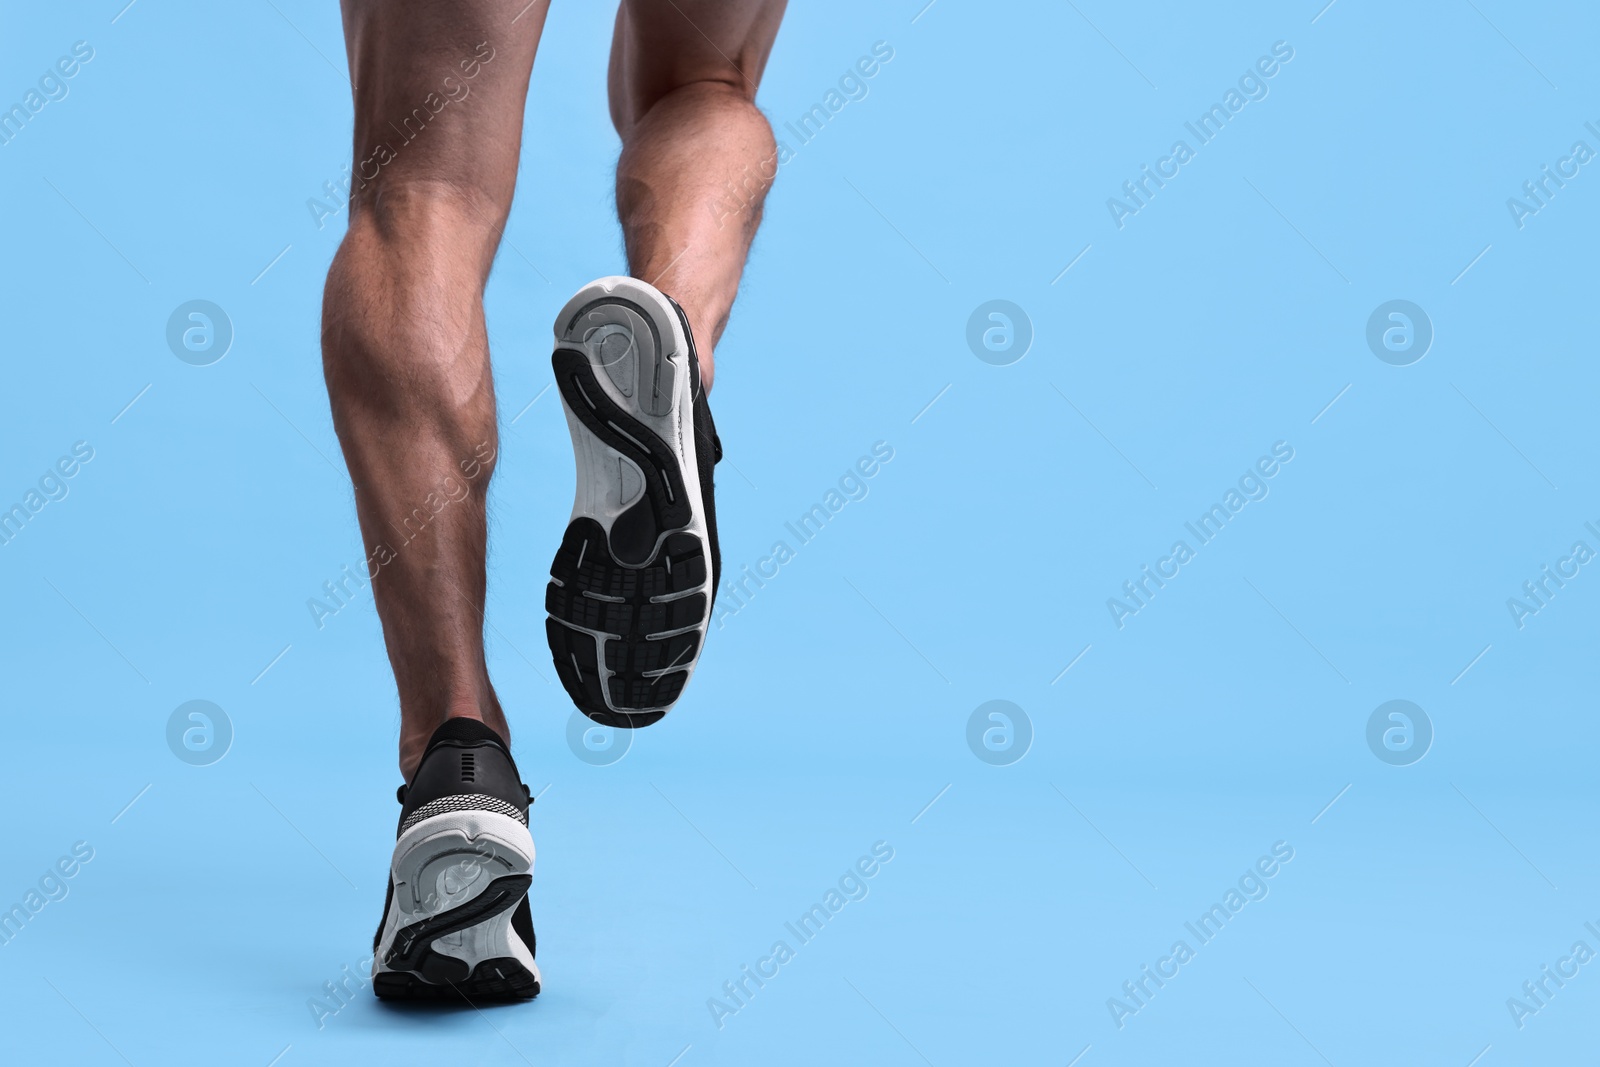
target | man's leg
[
  {"x": 632, "y": 584},
  {"x": 697, "y": 156},
  {"x": 439, "y": 96}
]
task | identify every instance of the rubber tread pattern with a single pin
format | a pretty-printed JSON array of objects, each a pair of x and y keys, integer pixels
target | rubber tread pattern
[
  {"x": 635, "y": 587},
  {"x": 412, "y": 949},
  {"x": 665, "y": 502},
  {"x": 501, "y": 978},
  {"x": 634, "y": 652}
]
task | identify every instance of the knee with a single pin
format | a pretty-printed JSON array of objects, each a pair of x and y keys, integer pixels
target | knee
[{"x": 431, "y": 223}]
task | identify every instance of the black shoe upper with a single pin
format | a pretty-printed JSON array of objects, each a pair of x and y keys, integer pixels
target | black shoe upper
[
  {"x": 465, "y": 766},
  {"x": 708, "y": 449}
]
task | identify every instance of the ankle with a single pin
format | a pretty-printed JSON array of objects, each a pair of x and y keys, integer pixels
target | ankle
[
  {"x": 416, "y": 731},
  {"x": 707, "y": 319}
]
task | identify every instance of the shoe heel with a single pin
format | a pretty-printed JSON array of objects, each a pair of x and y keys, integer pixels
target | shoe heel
[{"x": 457, "y": 877}]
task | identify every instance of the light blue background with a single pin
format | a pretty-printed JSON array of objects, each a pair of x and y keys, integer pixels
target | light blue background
[{"x": 826, "y": 715}]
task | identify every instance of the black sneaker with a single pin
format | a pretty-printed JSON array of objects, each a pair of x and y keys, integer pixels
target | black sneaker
[
  {"x": 632, "y": 586},
  {"x": 456, "y": 920}
]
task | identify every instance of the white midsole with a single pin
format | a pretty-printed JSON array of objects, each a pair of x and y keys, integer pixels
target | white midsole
[{"x": 444, "y": 862}]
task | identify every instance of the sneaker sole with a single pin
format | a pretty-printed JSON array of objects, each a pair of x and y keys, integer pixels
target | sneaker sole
[
  {"x": 629, "y": 598},
  {"x": 457, "y": 879}
]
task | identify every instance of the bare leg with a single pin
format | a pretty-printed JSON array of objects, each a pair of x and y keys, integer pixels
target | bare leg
[
  {"x": 697, "y": 155},
  {"x": 439, "y": 97}
]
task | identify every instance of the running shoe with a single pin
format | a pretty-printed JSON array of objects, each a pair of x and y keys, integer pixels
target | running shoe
[
  {"x": 456, "y": 922},
  {"x": 632, "y": 585}
]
